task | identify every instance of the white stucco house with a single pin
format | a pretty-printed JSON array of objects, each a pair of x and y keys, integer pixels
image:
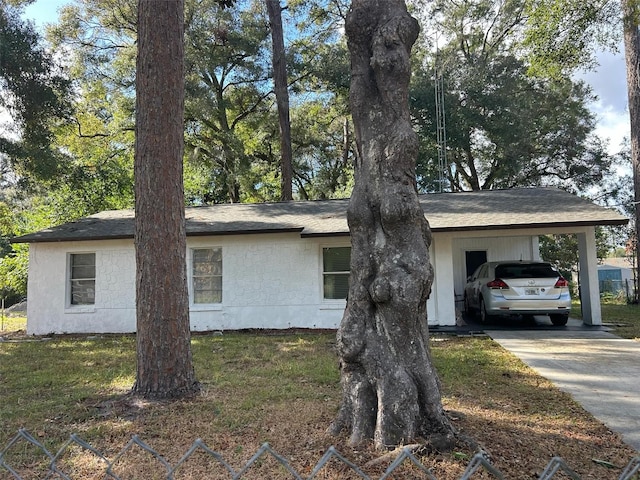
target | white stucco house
[{"x": 285, "y": 265}]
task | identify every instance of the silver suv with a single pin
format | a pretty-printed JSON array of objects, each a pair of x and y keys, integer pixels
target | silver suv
[{"x": 518, "y": 288}]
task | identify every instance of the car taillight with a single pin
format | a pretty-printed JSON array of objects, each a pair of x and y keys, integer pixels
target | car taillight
[
  {"x": 497, "y": 283},
  {"x": 562, "y": 282}
]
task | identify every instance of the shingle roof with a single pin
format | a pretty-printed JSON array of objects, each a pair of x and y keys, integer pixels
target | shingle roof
[{"x": 465, "y": 211}]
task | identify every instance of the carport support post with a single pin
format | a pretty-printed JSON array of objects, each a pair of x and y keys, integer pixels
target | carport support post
[
  {"x": 441, "y": 308},
  {"x": 589, "y": 286}
]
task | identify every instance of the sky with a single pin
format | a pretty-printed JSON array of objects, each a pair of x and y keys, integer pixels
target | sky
[
  {"x": 608, "y": 81},
  {"x": 44, "y": 11}
]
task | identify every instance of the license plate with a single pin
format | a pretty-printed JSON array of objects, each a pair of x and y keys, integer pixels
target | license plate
[{"x": 532, "y": 291}]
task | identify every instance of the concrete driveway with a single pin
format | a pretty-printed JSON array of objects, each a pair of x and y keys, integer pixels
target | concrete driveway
[{"x": 598, "y": 369}]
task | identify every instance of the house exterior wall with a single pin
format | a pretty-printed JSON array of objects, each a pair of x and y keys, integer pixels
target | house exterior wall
[
  {"x": 48, "y": 306},
  {"x": 269, "y": 281}
]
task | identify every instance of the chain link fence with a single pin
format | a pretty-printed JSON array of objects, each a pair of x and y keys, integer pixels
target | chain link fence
[
  {"x": 480, "y": 463},
  {"x": 617, "y": 288}
]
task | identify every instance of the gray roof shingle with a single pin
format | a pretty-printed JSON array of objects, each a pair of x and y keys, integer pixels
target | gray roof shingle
[{"x": 465, "y": 211}]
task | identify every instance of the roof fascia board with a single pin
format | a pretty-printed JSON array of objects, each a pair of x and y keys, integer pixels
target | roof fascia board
[{"x": 522, "y": 226}]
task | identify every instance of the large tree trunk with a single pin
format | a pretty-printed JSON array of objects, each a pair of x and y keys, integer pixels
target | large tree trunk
[
  {"x": 165, "y": 366},
  {"x": 391, "y": 392},
  {"x": 282, "y": 97},
  {"x": 632, "y": 59}
]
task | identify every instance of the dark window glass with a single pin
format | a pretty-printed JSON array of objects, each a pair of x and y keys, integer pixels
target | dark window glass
[
  {"x": 335, "y": 271},
  {"x": 515, "y": 270}
]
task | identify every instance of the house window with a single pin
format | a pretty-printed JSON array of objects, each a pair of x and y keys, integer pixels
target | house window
[
  {"x": 206, "y": 275},
  {"x": 82, "y": 268},
  {"x": 335, "y": 272}
]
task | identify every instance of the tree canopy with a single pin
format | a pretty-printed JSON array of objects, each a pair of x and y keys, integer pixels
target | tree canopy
[
  {"x": 505, "y": 128},
  {"x": 35, "y": 93},
  {"x": 563, "y": 35}
]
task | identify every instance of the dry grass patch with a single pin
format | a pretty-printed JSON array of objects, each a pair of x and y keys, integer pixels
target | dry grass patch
[{"x": 284, "y": 390}]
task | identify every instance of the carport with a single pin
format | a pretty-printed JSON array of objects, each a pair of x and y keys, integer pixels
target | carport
[{"x": 506, "y": 225}]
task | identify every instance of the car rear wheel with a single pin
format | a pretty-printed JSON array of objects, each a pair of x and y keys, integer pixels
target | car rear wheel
[
  {"x": 484, "y": 316},
  {"x": 559, "y": 320}
]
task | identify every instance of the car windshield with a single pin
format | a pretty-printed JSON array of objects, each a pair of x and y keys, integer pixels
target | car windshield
[{"x": 517, "y": 270}]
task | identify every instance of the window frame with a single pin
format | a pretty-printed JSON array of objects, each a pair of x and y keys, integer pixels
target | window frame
[
  {"x": 193, "y": 276},
  {"x": 340, "y": 301},
  {"x": 69, "y": 290}
]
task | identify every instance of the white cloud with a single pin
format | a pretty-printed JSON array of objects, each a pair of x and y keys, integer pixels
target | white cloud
[
  {"x": 609, "y": 84},
  {"x": 612, "y": 125}
]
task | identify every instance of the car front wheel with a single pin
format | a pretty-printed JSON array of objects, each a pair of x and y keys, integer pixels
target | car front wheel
[{"x": 559, "y": 320}]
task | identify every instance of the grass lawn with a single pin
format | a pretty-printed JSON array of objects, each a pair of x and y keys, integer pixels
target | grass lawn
[
  {"x": 283, "y": 390},
  {"x": 622, "y": 318},
  {"x": 12, "y": 324}
]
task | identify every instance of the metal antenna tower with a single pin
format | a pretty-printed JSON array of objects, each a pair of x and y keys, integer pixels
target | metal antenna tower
[{"x": 441, "y": 130}]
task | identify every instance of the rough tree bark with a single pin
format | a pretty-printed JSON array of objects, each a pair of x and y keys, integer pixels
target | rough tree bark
[
  {"x": 632, "y": 60},
  {"x": 391, "y": 391},
  {"x": 282, "y": 98},
  {"x": 164, "y": 368}
]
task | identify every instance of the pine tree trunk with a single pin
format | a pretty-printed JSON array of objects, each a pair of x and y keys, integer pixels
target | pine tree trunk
[
  {"x": 282, "y": 97},
  {"x": 164, "y": 367},
  {"x": 632, "y": 59},
  {"x": 391, "y": 392}
]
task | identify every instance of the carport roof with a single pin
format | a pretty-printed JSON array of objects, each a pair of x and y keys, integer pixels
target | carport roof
[{"x": 516, "y": 208}]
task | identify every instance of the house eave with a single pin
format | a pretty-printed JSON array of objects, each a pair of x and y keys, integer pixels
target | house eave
[
  {"x": 28, "y": 239},
  {"x": 530, "y": 226},
  {"x": 300, "y": 230},
  {"x": 244, "y": 232}
]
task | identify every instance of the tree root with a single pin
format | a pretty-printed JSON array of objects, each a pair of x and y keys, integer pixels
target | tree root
[
  {"x": 425, "y": 448},
  {"x": 393, "y": 454}
]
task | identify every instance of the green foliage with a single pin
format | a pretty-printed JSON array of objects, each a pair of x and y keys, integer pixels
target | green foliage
[
  {"x": 504, "y": 128},
  {"x": 6, "y": 227},
  {"x": 231, "y": 130},
  {"x": 563, "y": 35},
  {"x": 226, "y": 74},
  {"x": 323, "y": 163},
  {"x": 35, "y": 95},
  {"x": 14, "y": 272},
  {"x": 232, "y": 127},
  {"x": 562, "y": 250},
  {"x": 14, "y": 259},
  {"x": 19, "y": 3}
]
